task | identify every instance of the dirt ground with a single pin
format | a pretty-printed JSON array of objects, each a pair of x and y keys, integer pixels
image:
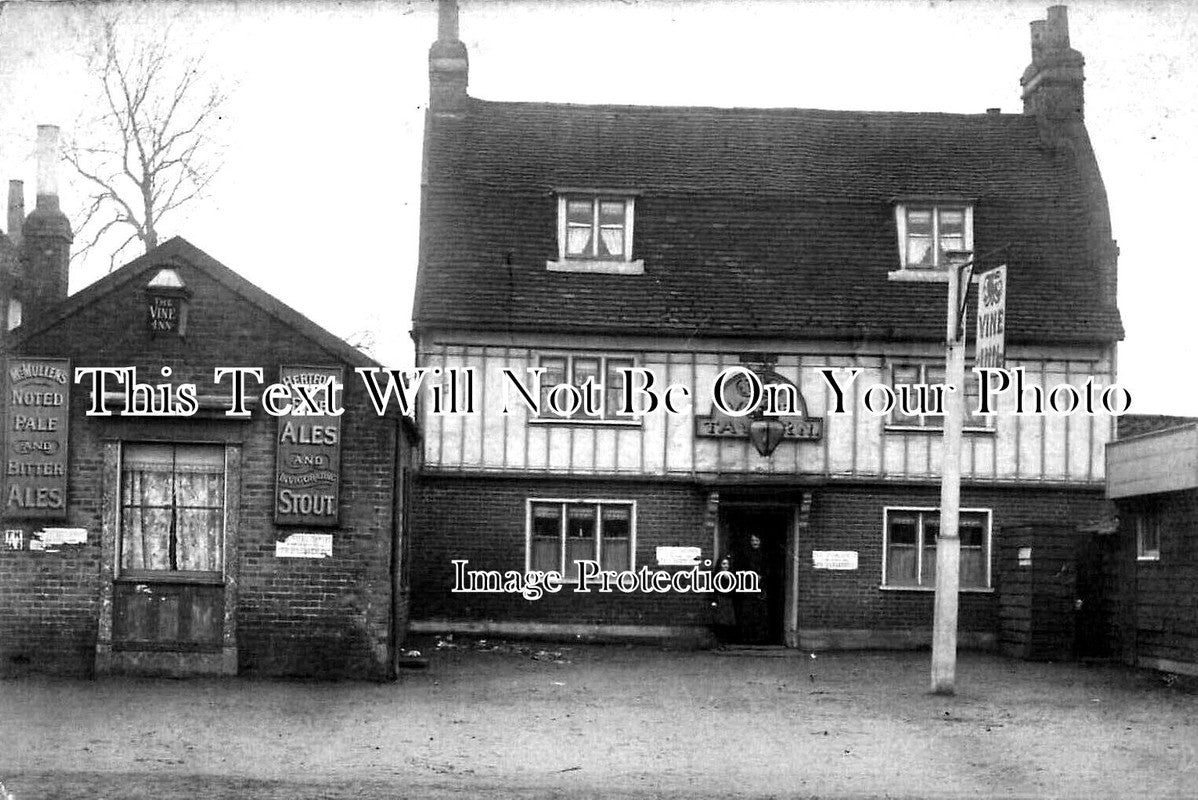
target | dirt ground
[{"x": 503, "y": 719}]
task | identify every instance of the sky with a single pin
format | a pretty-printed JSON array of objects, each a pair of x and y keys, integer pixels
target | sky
[{"x": 318, "y": 198}]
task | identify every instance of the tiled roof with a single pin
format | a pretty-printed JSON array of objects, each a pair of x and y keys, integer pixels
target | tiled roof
[{"x": 750, "y": 222}]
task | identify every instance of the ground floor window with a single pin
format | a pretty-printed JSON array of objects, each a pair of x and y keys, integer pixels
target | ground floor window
[
  {"x": 563, "y": 532},
  {"x": 1148, "y": 537},
  {"x": 172, "y": 508},
  {"x": 910, "y": 547}
]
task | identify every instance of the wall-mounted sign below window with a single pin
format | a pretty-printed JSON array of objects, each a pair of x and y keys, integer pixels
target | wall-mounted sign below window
[
  {"x": 834, "y": 559},
  {"x": 305, "y": 545},
  {"x": 35, "y": 448},
  {"x": 678, "y": 556},
  {"x": 308, "y": 462}
]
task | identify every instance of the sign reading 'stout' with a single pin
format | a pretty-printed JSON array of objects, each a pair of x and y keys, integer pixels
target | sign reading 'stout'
[
  {"x": 37, "y": 395},
  {"x": 308, "y": 461}
]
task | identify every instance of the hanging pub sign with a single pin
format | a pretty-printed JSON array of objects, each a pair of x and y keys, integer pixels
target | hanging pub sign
[
  {"x": 37, "y": 395},
  {"x": 308, "y": 461},
  {"x": 992, "y": 310}
]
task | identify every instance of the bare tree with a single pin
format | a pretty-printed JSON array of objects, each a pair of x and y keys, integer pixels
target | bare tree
[{"x": 150, "y": 148}]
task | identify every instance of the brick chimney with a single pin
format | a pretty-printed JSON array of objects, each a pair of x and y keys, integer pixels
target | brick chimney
[
  {"x": 10, "y": 259},
  {"x": 448, "y": 64},
  {"x": 46, "y": 235},
  {"x": 1052, "y": 83},
  {"x": 16, "y": 210},
  {"x": 1052, "y": 91}
]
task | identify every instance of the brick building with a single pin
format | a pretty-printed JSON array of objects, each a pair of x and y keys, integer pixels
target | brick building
[
  {"x": 582, "y": 241},
  {"x": 187, "y": 540}
]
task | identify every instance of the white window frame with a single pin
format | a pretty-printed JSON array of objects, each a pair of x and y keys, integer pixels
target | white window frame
[
  {"x": 1148, "y": 522},
  {"x": 580, "y": 418},
  {"x": 937, "y": 272},
  {"x": 623, "y": 265},
  {"x": 988, "y": 534},
  {"x": 565, "y": 502},
  {"x": 922, "y": 424}
]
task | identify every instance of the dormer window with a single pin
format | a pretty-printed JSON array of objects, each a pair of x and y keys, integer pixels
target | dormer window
[
  {"x": 594, "y": 233},
  {"x": 927, "y": 231},
  {"x": 595, "y": 227}
]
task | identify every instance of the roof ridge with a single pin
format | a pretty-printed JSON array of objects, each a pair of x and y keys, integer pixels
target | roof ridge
[
  {"x": 178, "y": 251},
  {"x": 764, "y": 110}
]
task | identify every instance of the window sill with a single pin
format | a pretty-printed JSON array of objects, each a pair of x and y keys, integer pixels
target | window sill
[
  {"x": 933, "y": 429},
  {"x": 148, "y": 576},
  {"x": 143, "y": 646},
  {"x": 586, "y": 421},
  {"x": 1148, "y": 559},
  {"x": 596, "y": 583},
  {"x": 599, "y": 266},
  {"x": 977, "y": 590},
  {"x": 936, "y": 275}
]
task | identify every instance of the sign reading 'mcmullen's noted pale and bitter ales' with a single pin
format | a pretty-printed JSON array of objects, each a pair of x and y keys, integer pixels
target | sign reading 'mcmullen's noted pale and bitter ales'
[
  {"x": 37, "y": 394},
  {"x": 308, "y": 466}
]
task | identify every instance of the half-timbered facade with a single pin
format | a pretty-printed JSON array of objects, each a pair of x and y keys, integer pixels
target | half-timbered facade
[{"x": 667, "y": 246}]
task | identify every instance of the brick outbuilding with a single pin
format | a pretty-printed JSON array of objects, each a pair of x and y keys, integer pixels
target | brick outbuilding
[{"x": 188, "y": 540}]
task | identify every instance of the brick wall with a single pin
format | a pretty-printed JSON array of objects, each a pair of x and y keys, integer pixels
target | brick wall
[
  {"x": 851, "y": 519},
  {"x": 294, "y": 616},
  {"x": 483, "y": 520}
]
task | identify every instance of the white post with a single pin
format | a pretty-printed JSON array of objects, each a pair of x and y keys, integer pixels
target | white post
[{"x": 948, "y": 545}]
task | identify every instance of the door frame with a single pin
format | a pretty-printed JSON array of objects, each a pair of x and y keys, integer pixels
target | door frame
[
  {"x": 115, "y": 661},
  {"x": 790, "y": 580}
]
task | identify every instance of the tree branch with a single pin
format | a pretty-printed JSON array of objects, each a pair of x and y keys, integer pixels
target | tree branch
[{"x": 150, "y": 147}]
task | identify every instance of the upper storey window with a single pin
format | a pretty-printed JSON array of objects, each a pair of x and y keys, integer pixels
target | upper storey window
[
  {"x": 596, "y": 227},
  {"x": 594, "y": 233},
  {"x": 927, "y": 233}
]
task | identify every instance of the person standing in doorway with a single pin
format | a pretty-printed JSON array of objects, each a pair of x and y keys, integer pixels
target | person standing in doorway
[
  {"x": 723, "y": 607},
  {"x": 753, "y": 611}
]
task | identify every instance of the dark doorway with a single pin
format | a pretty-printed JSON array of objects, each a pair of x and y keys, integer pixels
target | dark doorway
[
  {"x": 1091, "y": 615},
  {"x": 759, "y": 616}
]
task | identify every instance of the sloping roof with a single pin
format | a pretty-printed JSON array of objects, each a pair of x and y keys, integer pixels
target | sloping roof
[
  {"x": 751, "y": 222},
  {"x": 178, "y": 251},
  {"x": 1130, "y": 425}
]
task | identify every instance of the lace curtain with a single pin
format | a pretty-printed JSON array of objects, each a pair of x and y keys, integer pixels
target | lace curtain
[{"x": 172, "y": 507}]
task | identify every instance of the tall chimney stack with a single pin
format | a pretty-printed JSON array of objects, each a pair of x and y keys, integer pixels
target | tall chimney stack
[
  {"x": 46, "y": 235},
  {"x": 1052, "y": 83},
  {"x": 47, "y": 167},
  {"x": 448, "y": 63},
  {"x": 16, "y": 210}
]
